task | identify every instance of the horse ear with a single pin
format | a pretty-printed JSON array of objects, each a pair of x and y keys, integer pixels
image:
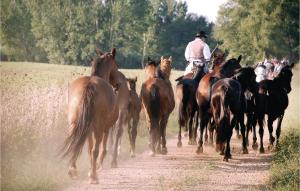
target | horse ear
[
  {"x": 292, "y": 65},
  {"x": 113, "y": 52},
  {"x": 239, "y": 58},
  {"x": 170, "y": 58},
  {"x": 99, "y": 52},
  {"x": 149, "y": 59},
  {"x": 135, "y": 79},
  {"x": 162, "y": 57}
]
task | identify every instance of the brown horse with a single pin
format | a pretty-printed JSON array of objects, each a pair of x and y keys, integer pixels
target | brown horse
[
  {"x": 158, "y": 102},
  {"x": 134, "y": 109},
  {"x": 203, "y": 94},
  {"x": 120, "y": 81},
  {"x": 92, "y": 108}
]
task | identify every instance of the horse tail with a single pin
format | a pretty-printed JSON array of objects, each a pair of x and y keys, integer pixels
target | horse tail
[
  {"x": 154, "y": 103},
  {"x": 224, "y": 116},
  {"x": 183, "y": 105},
  {"x": 82, "y": 127}
]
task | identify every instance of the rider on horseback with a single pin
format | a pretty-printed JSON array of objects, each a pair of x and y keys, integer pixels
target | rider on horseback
[{"x": 197, "y": 53}]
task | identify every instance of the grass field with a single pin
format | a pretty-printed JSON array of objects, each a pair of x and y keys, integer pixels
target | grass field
[{"x": 33, "y": 125}]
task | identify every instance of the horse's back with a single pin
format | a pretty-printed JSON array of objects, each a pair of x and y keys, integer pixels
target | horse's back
[{"x": 104, "y": 99}]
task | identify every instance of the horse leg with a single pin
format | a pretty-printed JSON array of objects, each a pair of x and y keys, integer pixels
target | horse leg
[
  {"x": 133, "y": 135},
  {"x": 203, "y": 124},
  {"x": 270, "y": 128},
  {"x": 163, "y": 125},
  {"x": 253, "y": 125},
  {"x": 179, "y": 143},
  {"x": 206, "y": 134},
  {"x": 211, "y": 128},
  {"x": 261, "y": 134},
  {"x": 278, "y": 130},
  {"x": 243, "y": 128},
  {"x": 195, "y": 128},
  {"x": 248, "y": 127},
  {"x": 227, "y": 154},
  {"x": 97, "y": 137},
  {"x": 119, "y": 126},
  {"x": 72, "y": 167},
  {"x": 104, "y": 143},
  {"x": 191, "y": 120}
]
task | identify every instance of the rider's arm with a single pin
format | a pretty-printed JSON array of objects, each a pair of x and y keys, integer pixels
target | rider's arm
[
  {"x": 206, "y": 52},
  {"x": 186, "y": 54}
]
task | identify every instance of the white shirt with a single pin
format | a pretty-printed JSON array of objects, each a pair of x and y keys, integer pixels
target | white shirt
[{"x": 206, "y": 50}]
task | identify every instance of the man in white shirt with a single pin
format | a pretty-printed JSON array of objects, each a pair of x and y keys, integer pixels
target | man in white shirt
[{"x": 197, "y": 52}]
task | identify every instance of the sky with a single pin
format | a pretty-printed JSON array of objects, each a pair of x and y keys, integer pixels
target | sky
[{"x": 207, "y": 8}]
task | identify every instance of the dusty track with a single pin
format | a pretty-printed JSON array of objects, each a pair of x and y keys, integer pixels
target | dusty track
[{"x": 182, "y": 169}]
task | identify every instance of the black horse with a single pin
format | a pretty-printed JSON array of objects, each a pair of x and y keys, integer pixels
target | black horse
[
  {"x": 272, "y": 99},
  {"x": 188, "y": 107},
  {"x": 228, "y": 107}
]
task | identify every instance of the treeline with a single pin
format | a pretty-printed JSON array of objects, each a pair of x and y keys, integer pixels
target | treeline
[
  {"x": 68, "y": 31},
  {"x": 259, "y": 29}
]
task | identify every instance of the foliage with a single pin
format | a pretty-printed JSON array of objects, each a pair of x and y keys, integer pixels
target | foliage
[
  {"x": 68, "y": 32},
  {"x": 259, "y": 29}
]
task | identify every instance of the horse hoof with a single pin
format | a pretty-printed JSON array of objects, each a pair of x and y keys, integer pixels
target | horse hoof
[
  {"x": 114, "y": 164},
  {"x": 270, "y": 147},
  {"x": 254, "y": 146},
  {"x": 152, "y": 154},
  {"x": 190, "y": 143},
  {"x": 199, "y": 150},
  {"x": 245, "y": 151},
  {"x": 194, "y": 142},
  {"x": 262, "y": 150},
  {"x": 238, "y": 136},
  {"x": 164, "y": 151},
  {"x": 94, "y": 181},
  {"x": 73, "y": 173},
  {"x": 132, "y": 155},
  {"x": 179, "y": 144},
  {"x": 225, "y": 159}
]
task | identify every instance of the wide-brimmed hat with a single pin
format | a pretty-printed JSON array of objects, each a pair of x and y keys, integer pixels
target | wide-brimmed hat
[{"x": 201, "y": 34}]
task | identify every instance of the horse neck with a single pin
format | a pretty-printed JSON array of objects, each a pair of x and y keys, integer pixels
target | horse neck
[
  {"x": 166, "y": 71},
  {"x": 151, "y": 72},
  {"x": 199, "y": 74}
]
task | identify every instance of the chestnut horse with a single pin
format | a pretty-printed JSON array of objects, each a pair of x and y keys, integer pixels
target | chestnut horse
[
  {"x": 119, "y": 80},
  {"x": 92, "y": 109},
  {"x": 228, "y": 107},
  {"x": 225, "y": 69},
  {"x": 134, "y": 109},
  {"x": 157, "y": 102},
  {"x": 272, "y": 99},
  {"x": 188, "y": 107}
]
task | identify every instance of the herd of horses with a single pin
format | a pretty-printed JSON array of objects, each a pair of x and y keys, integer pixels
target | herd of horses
[{"x": 101, "y": 105}]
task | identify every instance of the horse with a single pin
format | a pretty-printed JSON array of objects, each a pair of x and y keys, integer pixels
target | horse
[
  {"x": 134, "y": 109},
  {"x": 203, "y": 93},
  {"x": 118, "y": 79},
  {"x": 157, "y": 102},
  {"x": 228, "y": 107},
  {"x": 91, "y": 109},
  {"x": 272, "y": 100},
  {"x": 188, "y": 107}
]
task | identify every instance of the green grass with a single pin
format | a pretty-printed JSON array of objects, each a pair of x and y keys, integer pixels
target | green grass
[
  {"x": 33, "y": 124},
  {"x": 285, "y": 169}
]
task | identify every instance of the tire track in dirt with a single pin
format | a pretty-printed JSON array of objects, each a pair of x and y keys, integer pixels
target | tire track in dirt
[{"x": 183, "y": 169}]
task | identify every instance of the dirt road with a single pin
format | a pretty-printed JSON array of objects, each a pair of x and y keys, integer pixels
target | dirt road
[{"x": 182, "y": 169}]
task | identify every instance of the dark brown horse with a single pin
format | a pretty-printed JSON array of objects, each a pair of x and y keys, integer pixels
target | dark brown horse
[
  {"x": 228, "y": 107},
  {"x": 134, "y": 109},
  {"x": 272, "y": 99},
  {"x": 92, "y": 109},
  {"x": 187, "y": 104},
  {"x": 203, "y": 94},
  {"x": 158, "y": 102}
]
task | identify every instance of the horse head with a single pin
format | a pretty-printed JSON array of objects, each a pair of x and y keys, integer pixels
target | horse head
[
  {"x": 230, "y": 66},
  {"x": 284, "y": 78},
  {"x": 166, "y": 66},
  {"x": 151, "y": 67},
  {"x": 104, "y": 65},
  {"x": 246, "y": 76},
  {"x": 218, "y": 58},
  {"x": 131, "y": 82}
]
